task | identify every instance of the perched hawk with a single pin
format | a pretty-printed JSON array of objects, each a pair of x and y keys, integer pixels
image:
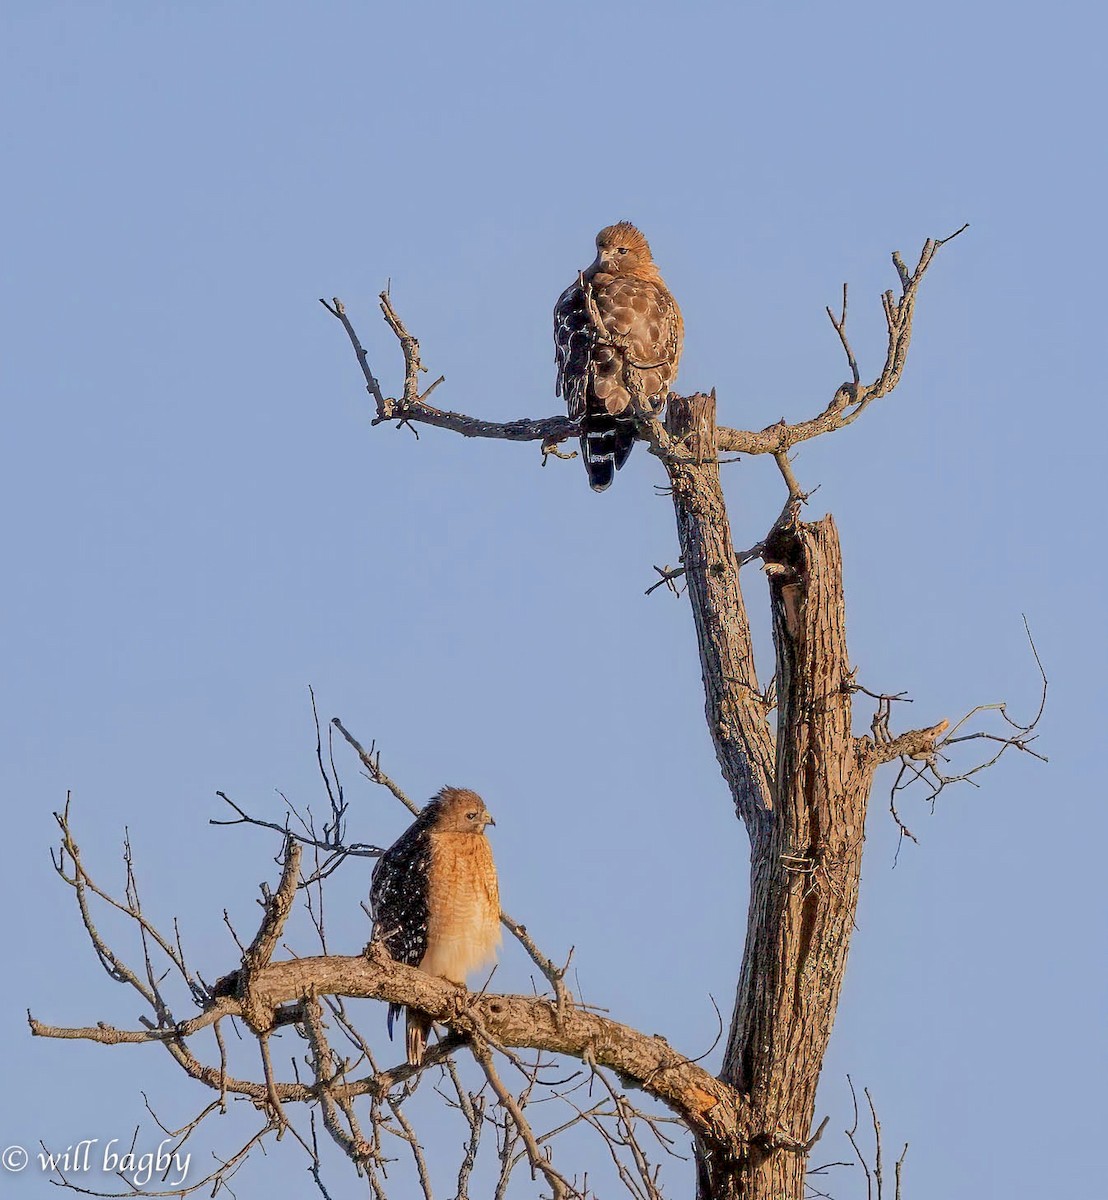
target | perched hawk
[
  {"x": 435, "y": 899},
  {"x": 610, "y": 374}
]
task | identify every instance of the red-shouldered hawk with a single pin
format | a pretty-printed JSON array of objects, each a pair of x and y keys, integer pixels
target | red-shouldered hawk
[
  {"x": 606, "y": 374},
  {"x": 435, "y": 899}
]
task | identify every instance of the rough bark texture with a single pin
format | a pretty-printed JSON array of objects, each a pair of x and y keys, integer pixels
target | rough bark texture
[
  {"x": 802, "y": 796},
  {"x": 734, "y": 707}
]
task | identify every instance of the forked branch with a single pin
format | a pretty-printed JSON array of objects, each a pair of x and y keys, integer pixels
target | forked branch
[
  {"x": 411, "y": 406},
  {"x": 925, "y": 754},
  {"x": 849, "y": 402},
  {"x": 852, "y": 398},
  {"x": 874, "y": 1169}
]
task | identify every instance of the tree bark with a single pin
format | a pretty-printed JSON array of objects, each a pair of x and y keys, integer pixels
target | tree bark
[
  {"x": 735, "y": 710},
  {"x": 802, "y": 796}
]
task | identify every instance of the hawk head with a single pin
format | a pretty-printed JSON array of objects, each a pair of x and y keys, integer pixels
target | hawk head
[
  {"x": 622, "y": 250},
  {"x": 461, "y": 811}
]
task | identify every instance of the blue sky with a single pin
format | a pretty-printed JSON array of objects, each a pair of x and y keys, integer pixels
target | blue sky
[{"x": 200, "y": 522}]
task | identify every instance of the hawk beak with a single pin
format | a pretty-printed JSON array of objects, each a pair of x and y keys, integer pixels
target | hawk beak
[{"x": 489, "y": 820}]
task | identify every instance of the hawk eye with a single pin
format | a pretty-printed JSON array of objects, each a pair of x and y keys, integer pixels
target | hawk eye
[
  {"x": 623, "y": 249},
  {"x": 471, "y": 816}
]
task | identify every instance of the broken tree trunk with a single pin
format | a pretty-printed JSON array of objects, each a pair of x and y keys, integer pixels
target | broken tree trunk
[{"x": 801, "y": 794}]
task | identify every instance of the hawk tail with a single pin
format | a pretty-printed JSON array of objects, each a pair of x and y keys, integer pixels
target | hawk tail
[
  {"x": 418, "y": 1027},
  {"x": 605, "y": 445}
]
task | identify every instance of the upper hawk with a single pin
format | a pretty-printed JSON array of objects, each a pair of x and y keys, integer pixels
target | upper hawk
[{"x": 618, "y": 360}]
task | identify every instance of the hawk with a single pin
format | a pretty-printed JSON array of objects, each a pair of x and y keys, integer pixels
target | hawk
[
  {"x": 622, "y": 368},
  {"x": 435, "y": 899}
]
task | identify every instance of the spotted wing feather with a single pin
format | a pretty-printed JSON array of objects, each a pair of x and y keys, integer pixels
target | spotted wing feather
[
  {"x": 593, "y": 374},
  {"x": 572, "y": 349},
  {"x": 646, "y": 329},
  {"x": 399, "y": 896}
]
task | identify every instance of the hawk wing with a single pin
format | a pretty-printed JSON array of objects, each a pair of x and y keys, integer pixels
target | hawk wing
[
  {"x": 642, "y": 315},
  {"x": 597, "y": 377},
  {"x": 573, "y": 339},
  {"x": 399, "y": 899}
]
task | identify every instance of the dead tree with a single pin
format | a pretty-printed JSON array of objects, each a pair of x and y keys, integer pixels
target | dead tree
[{"x": 800, "y": 779}]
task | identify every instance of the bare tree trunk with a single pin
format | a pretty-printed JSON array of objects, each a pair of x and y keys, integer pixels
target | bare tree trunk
[{"x": 804, "y": 814}]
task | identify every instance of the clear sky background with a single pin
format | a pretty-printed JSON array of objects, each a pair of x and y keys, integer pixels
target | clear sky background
[{"x": 199, "y": 521}]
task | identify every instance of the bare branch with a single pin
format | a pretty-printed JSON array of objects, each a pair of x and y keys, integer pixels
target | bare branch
[
  {"x": 277, "y": 909},
  {"x": 472, "y": 1106},
  {"x": 878, "y": 1166},
  {"x": 900, "y": 1169},
  {"x": 337, "y": 309},
  {"x": 851, "y": 399},
  {"x": 875, "y": 1174},
  {"x": 323, "y": 1066},
  {"x": 306, "y": 837},
  {"x": 840, "y": 329},
  {"x": 539, "y": 1161},
  {"x": 524, "y": 1022},
  {"x": 796, "y": 496},
  {"x": 555, "y": 974},
  {"x": 923, "y": 752},
  {"x": 850, "y": 1133},
  {"x": 668, "y": 575},
  {"x": 412, "y": 406},
  {"x": 916, "y": 743},
  {"x": 371, "y": 760},
  {"x": 626, "y": 1115},
  {"x": 848, "y": 403},
  {"x": 408, "y": 1134}
]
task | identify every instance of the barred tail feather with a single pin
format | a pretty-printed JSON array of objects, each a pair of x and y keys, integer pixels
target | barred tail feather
[
  {"x": 419, "y": 1026},
  {"x": 605, "y": 446}
]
